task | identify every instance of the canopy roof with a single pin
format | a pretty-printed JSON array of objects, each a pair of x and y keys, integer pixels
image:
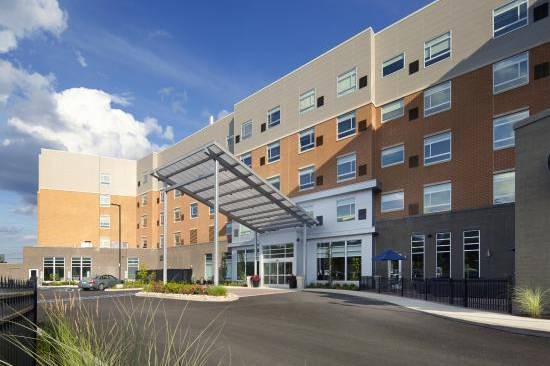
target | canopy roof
[
  {"x": 243, "y": 196},
  {"x": 389, "y": 255}
]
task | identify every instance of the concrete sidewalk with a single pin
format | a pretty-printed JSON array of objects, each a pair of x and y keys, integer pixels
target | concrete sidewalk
[{"x": 512, "y": 323}]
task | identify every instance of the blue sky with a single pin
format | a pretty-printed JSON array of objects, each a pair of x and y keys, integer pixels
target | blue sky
[{"x": 163, "y": 63}]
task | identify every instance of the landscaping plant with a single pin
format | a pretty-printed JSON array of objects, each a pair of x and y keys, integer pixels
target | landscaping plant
[{"x": 531, "y": 301}]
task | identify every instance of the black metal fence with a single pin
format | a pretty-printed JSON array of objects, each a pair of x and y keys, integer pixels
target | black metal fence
[
  {"x": 18, "y": 316},
  {"x": 490, "y": 295}
]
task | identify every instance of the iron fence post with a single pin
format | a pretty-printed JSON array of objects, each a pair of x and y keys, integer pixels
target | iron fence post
[
  {"x": 426, "y": 289},
  {"x": 509, "y": 288},
  {"x": 451, "y": 292},
  {"x": 402, "y": 286},
  {"x": 465, "y": 293}
]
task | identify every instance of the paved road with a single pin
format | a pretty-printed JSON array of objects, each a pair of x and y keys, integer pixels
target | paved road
[{"x": 308, "y": 328}]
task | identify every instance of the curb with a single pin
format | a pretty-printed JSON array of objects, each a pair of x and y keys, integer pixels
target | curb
[{"x": 202, "y": 298}]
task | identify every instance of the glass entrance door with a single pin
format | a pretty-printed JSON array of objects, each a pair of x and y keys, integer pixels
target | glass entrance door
[{"x": 278, "y": 262}]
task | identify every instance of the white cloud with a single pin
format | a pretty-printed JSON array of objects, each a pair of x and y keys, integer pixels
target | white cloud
[
  {"x": 26, "y": 18},
  {"x": 81, "y": 60},
  {"x": 27, "y": 209},
  {"x": 6, "y": 142},
  {"x": 222, "y": 114}
]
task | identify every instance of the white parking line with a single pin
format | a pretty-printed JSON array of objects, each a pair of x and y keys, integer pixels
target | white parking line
[{"x": 86, "y": 298}]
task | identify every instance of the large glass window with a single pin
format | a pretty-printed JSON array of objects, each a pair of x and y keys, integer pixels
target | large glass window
[
  {"x": 346, "y": 82},
  {"x": 437, "y": 99},
  {"x": 345, "y": 167},
  {"x": 307, "y": 101},
  {"x": 307, "y": 140},
  {"x": 345, "y": 210},
  {"x": 443, "y": 255},
  {"x": 307, "y": 178},
  {"x": 194, "y": 210},
  {"x": 54, "y": 268},
  {"x": 274, "y": 117},
  {"x": 245, "y": 263},
  {"x": 471, "y": 241},
  {"x": 393, "y": 65},
  {"x": 273, "y": 152},
  {"x": 393, "y": 201},
  {"x": 504, "y": 188},
  {"x": 417, "y": 256},
  {"x": 437, "y": 49},
  {"x": 81, "y": 267},
  {"x": 437, "y": 148},
  {"x": 392, "y": 156},
  {"x": 503, "y": 129},
  {"x": 353, "y": 260},
  {"x": 132, "y": 266},
  {"x": 227, "y": 266},
  {"x": 346, "y": 125},
  {"x": 511, "y": 73},
  {"x": 208, "y": 267},
  {"x": 323, "y": 261},
  {"x": 393, "y": 110},
  {"x": 509, "y": 17},
  {"x": 275, "y": 182},
  {"x": 339, "y": 261},
  {"x": 247, "y": 159},
  {"x": 246, "y": 130},
  {"x": 437, "y": 198}
]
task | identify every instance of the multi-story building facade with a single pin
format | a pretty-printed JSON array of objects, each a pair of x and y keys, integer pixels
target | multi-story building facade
[{"x": 400, "y": 139}]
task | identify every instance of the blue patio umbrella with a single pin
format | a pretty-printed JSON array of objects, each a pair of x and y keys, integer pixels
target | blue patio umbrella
[{"x": 389, "y": 255}]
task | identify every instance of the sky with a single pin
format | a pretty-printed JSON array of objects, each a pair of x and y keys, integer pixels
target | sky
[{"x": 124, "y": 78}]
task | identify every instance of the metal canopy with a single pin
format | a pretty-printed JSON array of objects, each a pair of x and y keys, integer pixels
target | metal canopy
[{"x": 243, "y": 196}]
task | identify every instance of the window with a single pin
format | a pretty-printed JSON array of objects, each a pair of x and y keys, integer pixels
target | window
[
  {"x": 437, "y": 198},
  {"x": 105, "y": 200},
  {"x": 145, "y": 178},
  {"x": 345, "y": 210},
  {"x": 104, "y": 242},
  {"x": 104, "y": 222},
  {"x": 208, "y": 267},
  {"x": 193, "y": 236},
  {"x": 144, "y": 221},
  {"x": 393, "y": 201},
  {"x": 503, "y": 129},
  {"x": 274, "y": 117},
  {"x": 345, "y": 167},
  {"x": 417, "y": 256},
  {"x": 246, "y": 130},
  {"x": 177, "y": 193},
  {"x": 307, "y": 140},
  {"x": 346, "y": 125},
  {"x": 211, "y": 211},
  {"x": 227, "y": 266},
  {"x": 437, "y": 148},
  {"x": 178, "y": 215},
  {"x": 132, "y": 266},
  {"x": 245, "y": 263},
  {"x": 504, "y": 188},
  {"x": 243, "y": 230},
  {"x": 247, "y": 159},
  {"x": 144, "y": 199},
  {"x": 437, "y": 99},
  {"x": 307, "y": 178},
  {"x": 393, "y": 65},
  {"x": 161, "y": 241},
  {"x": 346, "y": 83},
  {"x": 161, "y": 219},
  {"x": 307, "y": 101},
  {"x": 393, "y": 110},
  {"x": 54, "y": 268},
  {"x": 273, "y": 152},
  {"x": 275, "y": 182},
  {"x": 339, "y": 261},
  {"x": 177, "y": 239},
  {"x": 509, "y": 17},
  {"x": 471, "y": 242},
  {"x": 104, "y": 179},
  {"x": 443, "y": 255},
  {"x": 511, "y": 73},
  {"x": 194, "y": 210},
  {"x": 393, "y": 156},
  {"x": 144, "y": 242},
  {"x": 437, "y": 49}
]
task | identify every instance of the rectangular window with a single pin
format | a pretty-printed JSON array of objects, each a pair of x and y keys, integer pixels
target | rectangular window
[
  {"x": 54, "y": 268},
  {"x": 247, "y": 159},
  {"x": 346, "y": 125},
  {"x": 144, "y": 199},
  {"x": 437, "y": 99},
  {"x": 177, "y": 193},
  {"x": 161, "y": 219},
  {"x": 345, "y": 167},
  {"x": 177, "y": 239},
  {"x": 393, "y": 65},
  {"x": 208, "y": 267},
  {"x": 471, "y": 242},
  {"x": 193, "y": 236},
  {"x": 144, "y": 242},
  {"x": 104, "y": 222},
  {"x": 307, "y": 101},
  {"x": 211, "y": 211},
  {"x": 275, "y": 182},
  {"x": 307, "y": 140},
  {"x": 178, "y": 215},
  {"x": 504, "y": 188},
  {"x": 144, "y": 221},
  {"x": 273, "y": 152},
  {"x": 307, "y": 178},
  {"x": 437, "y": 198},
  {"x": 105, "y": 200},
  {"x": 393, "y": 156},
  {"x": 145, "y": 178},
  {"x": 104, "y": 179},
  {"x": 274, "y": 117},
  {"x": 503, "y": 129},
  {"x": 510, "y": 17},
  {"x": 194, "y": 210},
  {"x": 437, "y": 148},
  {"x": 161, "y": 241},
  {"x": 104, "y": 242},
  {"x": 345, "y": 210},
  {"x": 245, "y": 263},
  {"x": 132, "y": 266},
  {"x": 246, "y": 130},
  {"x": 393, "y": 201},
  {"x": 511, "y": 73},
  {"x": 417, "y": 256},
  {"x": 443, "y": 255},
  {"x": 346, "y": 83},
  {"x": 393, "y": 110},
  {"x": 353, "y": 260},
  {"x": 437, "y": 49},
  {"x": 227, "y": 266}
]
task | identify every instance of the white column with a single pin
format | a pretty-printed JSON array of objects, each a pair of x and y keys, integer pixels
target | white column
[
  {"x": 165, "y": 234},
  {"x": 216, "y": 194},
  {"x": 304, "y": 250},
  {"x": 255, "y": 253}
]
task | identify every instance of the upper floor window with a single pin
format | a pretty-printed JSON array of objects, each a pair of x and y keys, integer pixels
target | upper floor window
[
  {"x": 178, "y": 216},
  {"x": 273, "y": 152},
  {"x": 393, "y": 65},
  {"x": 437, "y": 148},
  {"x": 105, "y": 178},
  {"x": 194, "y": 210},
  {"x": 211, "y": 211},
  {"x": 307, "y": 178},
  {"x": 346, "y": 82},
  {"x": 246, "y": 130},
  {"x": 437, "y": 198},
  {"x": 307, "y": 140},
  {"x": 504, "y": 188},
  {"x": 511, "y": 73},
  {"x": 503, "y": 129},
  {"x": 177, "y": 239},
  {"x": 144, "y": 221},
  {"x": 274, "y": 117},
  {"x": 437, "y": 99},
  {"x": 144, "y": 199},
  {"x": 437, "y": 49},
  {"x": 275, "y": 182},
  {"x": 393, "y": 156},
  {"x": 393, "y": 201},
  {"x": 177, "y": 193},
  {"x": 510, "y": 17},
  {"x": 393, "y": 110},
  {"x": 345, "y": 167},
  {"x": 346, "y": 125},
  {"x": 345, "y": 210},
  {"x": 145, "y": 178},
  {"x": 247, "y": 159},
  {"x": 104, "y": 200},
  {"x": 307, "y": 101},
  {"x": 105, "y": 221}
]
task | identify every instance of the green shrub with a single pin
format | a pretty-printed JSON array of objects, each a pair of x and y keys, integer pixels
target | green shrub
[
  {"x": 134, "y": 284},
  {"x": 141, "y": 274},
  {"x": 335, "y": 286},
  {"x": 216, "y": 291},
  {"x": 61, "y": 283},
  {"x": 184, "y": 289},
  {"x": 531, "y": 301}
]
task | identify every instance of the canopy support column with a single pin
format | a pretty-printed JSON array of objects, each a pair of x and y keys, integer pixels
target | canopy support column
[
  {"x": 165, "y": 234},
  {"x": 255, "y": 253},
  {"x": 216, "y": 229},
  {"x": 304, "y": 244}
]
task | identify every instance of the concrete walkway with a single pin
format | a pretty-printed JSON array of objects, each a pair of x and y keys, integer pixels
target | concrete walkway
[
  {"x": 256, "y": 291},
  {"x": 512, "y": 323}
]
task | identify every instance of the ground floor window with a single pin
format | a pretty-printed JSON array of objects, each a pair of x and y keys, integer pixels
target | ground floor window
[
  {"x": 417, "y": 256},
  {"x": 81, "y": 267},
  {"x": 339, "y": 260},
  {"x": 54, "y": 268},
  {"x": 227, "y": 266},
  {"x": 471, "y": 241},
  {"x": 133, "y": 266},
  {"x": 208, "y": 267},
  {"x": 245, "y": 263},
  {"x": 443, "y": 255}
]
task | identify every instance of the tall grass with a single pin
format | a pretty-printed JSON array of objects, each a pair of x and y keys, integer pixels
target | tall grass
[
  {"x": 77, "y": 334},
  {"x": 531, "y": 301}
]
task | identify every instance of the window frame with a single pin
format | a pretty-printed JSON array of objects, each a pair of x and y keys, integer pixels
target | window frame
[
  {"x": 510, "y": 121},
  {"x": 450, "y": 51},
  {"x": 178, "y": 233},
  {"x": 102, "y": 197},
  {"x": 433, "y": 186},
  {"x": 386, "y": 150},
  {"x": 344, "y": 157},
  {"x": 387, "y": 194},
  {"x": 395, "y": 59},
  {"x": 401, "y": 102},
  {"x": 464, "y": 250},
  {"x": 513, "y": 194},
  {"x": 177, "y": 209},
  {"x": 244, "y": 156},
  {"x": 346, "y": 202},
  {"x": 102, "y": 224},
  {"x": 519, "y": 3},
  {"x": 435, "y": 137},
  {"x": 191, "y": 206},
  {"x": 423, "y": 236},
  {"x": 243, "y": 126},
  {"x": 310, "y": 170},
  {"x": 341, "y": 135},
  {"x": 105, "y": 179},
  {"x": 344, "y": 76},
  {"x": 269, "y": 115},
  {"x": 144, "y": 221},
  {"x": 144, "y": 200},
  {"x": 431, "y": 91},
  {"x": 310, "y": 131},
  {"x": 269, "y": 147},
  {"x": 497, "y": 66},
  {"x": 311, "y": 93},
  {"x": 440, "y": 249},
  {"x": 278, "y": 178}
]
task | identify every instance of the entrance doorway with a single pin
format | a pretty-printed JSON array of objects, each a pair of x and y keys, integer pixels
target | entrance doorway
[{"x": 278, "y": 264}]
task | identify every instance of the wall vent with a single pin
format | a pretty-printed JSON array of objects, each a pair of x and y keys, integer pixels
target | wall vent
[{"x": 363, "y": 81}]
